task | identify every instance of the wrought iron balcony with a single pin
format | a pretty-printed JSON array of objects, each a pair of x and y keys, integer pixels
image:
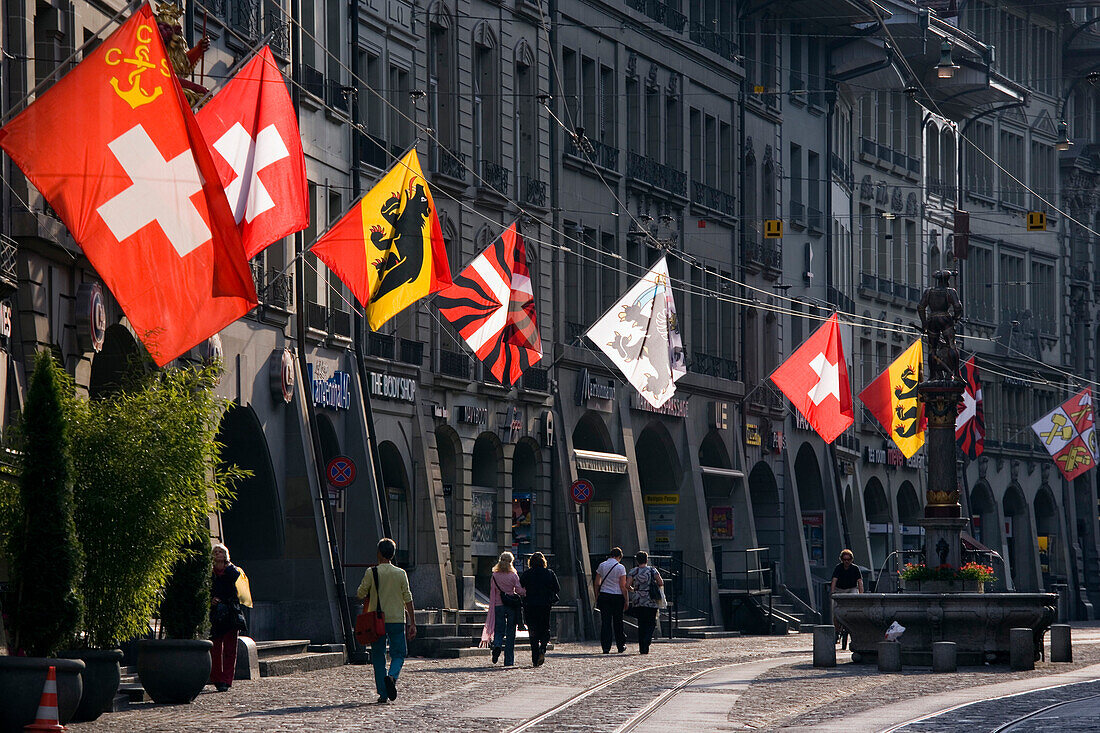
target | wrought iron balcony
[
  {"x": 446, "y": 163},
  {"x": 647, "y": 170},
  {"x": 661, "y": 12},
  {"x": 495, "y": 176},
  {"x": 313, "y": 81},
  {"x": 335, "y": 96},
  {"x": 714, "y": 366},
  {"x": 868, "y": 281},
  {"x": 411, "y": 352},
  {"x": 340, "y": 323},
  {"x": 713, "y": 199},
  {"x": 454, "y": 364},
  {"x": 867, "y": 146},
  {"x": 277, "y": 29},
  {"x": 886, "y": 286},
  {"x": 372, "y": 151},
  {"x": 576, "y": 332},
  {"x": 244, "y": 17},
  {"x": 798, "y": 213},
  {"x": 815, "y": 219},
  {"x": 840, "y": 300},
  {"x": 273, "y": 287},
  {"x": 712, "y": 41},
  {"x": 536, "y": 379},
  {"x": 767, "y": 253},
  {"x": 380, "y": 345},
  {"x": 533, "y": 191},
  {"x": 602, "y": 154},
  {"x": 317, "y": 316},
  {"x": 9, "y": 279}
]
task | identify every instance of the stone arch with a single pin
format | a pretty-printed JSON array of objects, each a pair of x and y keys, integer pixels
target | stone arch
[
  {"x": 985, "y": 522},
  {"x": 440, "y": 15},
  {"x": 713, "y": 451},
  {"x": 330, "y": 441},
  {"x": 1021, "y": 545},
  {"x": 121, "y": 352},
  {"x": 451, "y": 457},
  {"x": 591, "y": 433},
  {"x": 879, "y": 520},
  {"x": 525, "y": 479},
  {"x": 813, "y": 505},
  {"x": 1049, "y": 539},
  {"x": 767, "y": 512},
  {"x": 488, "y": 504},
  {"x": 909, "y": 513},
  {"x": 399, "y": 499},
  {"x": 484, "y": 36},
  {"x": 252, "y": 526},
  {"x": 523, "y": 54},
  {"x": 659, "y": 469}
]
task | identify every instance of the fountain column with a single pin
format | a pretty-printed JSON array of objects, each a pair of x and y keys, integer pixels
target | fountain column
[{"x": 943, "y": 522}]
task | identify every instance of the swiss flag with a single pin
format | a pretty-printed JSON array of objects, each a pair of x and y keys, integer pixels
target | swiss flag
[
  {"x": 815, "y": 379},
  {"x": 117, "y": 152},
  {"x": 251, "y": 127}
]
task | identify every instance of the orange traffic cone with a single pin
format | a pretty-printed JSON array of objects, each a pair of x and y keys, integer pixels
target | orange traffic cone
[{"x": 47, "y": 707}]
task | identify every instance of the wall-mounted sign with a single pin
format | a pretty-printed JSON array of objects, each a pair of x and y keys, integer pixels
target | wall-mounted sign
[
  {"x": 548, "y": 428},
  {"x": 340, "y": 472},
  {"x": 600, "y": 391},
  {"x": 776, "y": 441},
  {"x": 581, "y": 490},
  {"x": 661, "y": 499},
  {"x": 890, "y": 456},
  {"x": 334, "y": 392},
  {"x": 389, "y": 387},
  {"x": 440, "y": 411},
  {"x": 801, "y": 422},
  {"x": 280, "y": 373},
  {"x": 511, "y": 425},
  {"x": 672, "y": 407},
  {"x": 752, "y": 434},
  {"x": 212, "y": 351},
  {"x": 5, "y": 320},
  {"x": 472, "y": 415},
  {"x": 721, "y": 522},
  {"x": 718, "y": 415},
  {"x": 91, "y": 317}
]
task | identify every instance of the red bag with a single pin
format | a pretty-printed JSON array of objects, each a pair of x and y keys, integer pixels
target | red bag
[{"x": 370, "y": 626}]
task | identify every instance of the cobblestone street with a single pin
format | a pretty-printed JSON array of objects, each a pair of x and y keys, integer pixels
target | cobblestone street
[{"x": 771, "y": 685}]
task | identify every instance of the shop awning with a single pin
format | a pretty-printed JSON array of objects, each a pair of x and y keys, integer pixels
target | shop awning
[
  {"x": 591, "y": 460},
  {"x": 723, "y": 472}
]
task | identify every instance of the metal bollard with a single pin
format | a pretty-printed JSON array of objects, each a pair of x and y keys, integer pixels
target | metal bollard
[
  {"x": 824, "y": 646},
  {"x": 944, "y": 656},
  {"x": 1021, "y": 649},
  {"x": 1061, "y": 650},
  {"x": 889, "y": 656}
]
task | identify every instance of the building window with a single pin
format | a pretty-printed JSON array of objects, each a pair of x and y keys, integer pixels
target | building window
[
  {"x": 527, "y": 123},
  {"x": 486, "y": 96},
  {"x": 1011, "y": 157},
  {"x": 979, "y": 166},
  {"x": 633, "y": 116},
  {"x": 1013, "y": 286},
  {"x": 978, "y": 280},
  {"x": 441, "y": 79},
  {"x": 1044, "y": 296}
]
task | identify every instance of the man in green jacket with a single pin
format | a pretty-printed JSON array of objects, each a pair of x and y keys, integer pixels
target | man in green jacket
[{"x": 394, "y": 599}]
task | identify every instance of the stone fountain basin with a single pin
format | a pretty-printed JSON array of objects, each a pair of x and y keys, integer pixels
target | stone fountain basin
[{"x": 977, "y": 622}]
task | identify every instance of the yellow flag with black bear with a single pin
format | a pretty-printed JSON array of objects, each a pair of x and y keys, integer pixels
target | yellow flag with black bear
[
  {"x": 892, "y": 399},
  {"x": 388, "y": 249}
]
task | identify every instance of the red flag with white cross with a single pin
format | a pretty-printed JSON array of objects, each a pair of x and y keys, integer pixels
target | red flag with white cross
[
  {"x": 251, "y": 127},
  {"x": 116, "y": 151},
  {"x": 815, "y": 379},
  {"x": 1068, "y": 432}
]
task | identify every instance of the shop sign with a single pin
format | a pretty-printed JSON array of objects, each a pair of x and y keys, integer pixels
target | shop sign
[
  {"x": 661, "y": 499},
  {"x": 672, "y": 407},
  {"x": 776, "y": 441},
  {"x": 721, "y": 522},
  {"x": 440, "y": 411},
  {"x": 472, "y": 415},
  {"x": 752, "y": 434},
  {"x": 801, "y": 422},
  {"x": 718, "y": 415},
  {"x": 389, "y": 387},
  {"x": 280, "y": 374},
  {"x": 483, "y": 523},
  {"x": 548, "y": 428},
  {"x": 892, "y": 457},
  {"x": 511, "y": 424},
  {"x": 601, "y": 391},
  {"x": 880, "y": 527},
  {"x": 5, "y": 319},
  {"x": 330, "y": 391},
  {"x": 91, "y": 317}
]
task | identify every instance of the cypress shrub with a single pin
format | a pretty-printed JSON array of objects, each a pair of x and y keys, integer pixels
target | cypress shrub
[{"x": 185, "y": 610}]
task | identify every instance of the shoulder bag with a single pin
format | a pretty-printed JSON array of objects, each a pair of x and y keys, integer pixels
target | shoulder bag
[
  {"x": 599, "y": 584},
  {"x": 511, "y": 600},
  {"x": 370, "y": 626},
  {"x": 654, "y": 589}
]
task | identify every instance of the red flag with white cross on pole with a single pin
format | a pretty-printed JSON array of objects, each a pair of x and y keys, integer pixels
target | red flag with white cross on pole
[
  {"x": 815, "y": 379},
  {"x": 116, "y": 151}
]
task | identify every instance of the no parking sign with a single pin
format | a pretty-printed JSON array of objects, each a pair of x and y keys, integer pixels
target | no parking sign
[
  {"x": 340, "y": 472},
  {"x": 582, "y": 490}
]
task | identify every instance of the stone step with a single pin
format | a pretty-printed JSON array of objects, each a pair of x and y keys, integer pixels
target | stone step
[
  {"x": 281, "y": 648},
  {"x": 132, "y": 692},
  {"x": 437, "y": 630},
  {"x": 707, "y": 634},
  {"x": 280, "y": 665},
  {"x": 463, "y": 653}
]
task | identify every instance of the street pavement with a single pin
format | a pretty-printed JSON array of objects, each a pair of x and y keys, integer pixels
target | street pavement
[{"x": 748, "y": 683}]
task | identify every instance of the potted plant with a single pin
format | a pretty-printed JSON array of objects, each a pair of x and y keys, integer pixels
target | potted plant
[
  {"x": 970, "y": 578},
  {"x": 44, "y": 557},
  {"x": 175, "y": 669}
]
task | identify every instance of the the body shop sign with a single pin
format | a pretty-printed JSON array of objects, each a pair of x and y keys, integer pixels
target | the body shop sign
[{"x": 330, "y": 391}]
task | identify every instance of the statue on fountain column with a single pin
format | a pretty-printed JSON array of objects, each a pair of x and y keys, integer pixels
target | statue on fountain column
[{"x": 940, "y": 310}]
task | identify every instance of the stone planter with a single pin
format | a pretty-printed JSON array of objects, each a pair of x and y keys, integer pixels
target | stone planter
[
  {"x": 174, "y": 670},
  {"x": 101, "y": 678},
  {"x": 21, "y": 683},
  {"x": 941, "y": 586}
]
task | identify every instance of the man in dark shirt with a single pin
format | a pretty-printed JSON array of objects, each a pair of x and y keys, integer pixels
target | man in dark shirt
[{"x": 846, "y": 579}]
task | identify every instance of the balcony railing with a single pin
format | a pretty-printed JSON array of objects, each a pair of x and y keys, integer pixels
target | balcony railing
[
  {"x": 335, "y": 96},
  {"x": 313, "y": 81},
  {"x": 713, "y": 199},
  {"x": 411, "y": 352},
  {"x": 576, "y": 332},
  {"x": 714, "y": 366},
  {"x": 447, "y": 163},
  {"x": 340, "y": 323},
  {"x": 840, "y": 300},
  {"x": 815, "y": 219},
  {"x": 603, "y": 155},
  {"x": 647, "y": 170},
  {"x": 661, "y": 12},
  {"x": 380, "y": 345},
  {"x": 868, "y": 281},
  {"x": 536, "y": 379},
  {"x": 712, "y": 41},
  {"x": 454, "y": 364},
  {"x": 273, "y": 287},
  {"x": 866, "y": 145},
  {"x": 768, "y": 253},
  {"x": 317, "y": 316},
  {"x": 277, "y": 29},
  {"x": 494, "y": 176},
  {"x": 244, "y": 17},
  {"x": 533, "y": 191},
  {"x": 9, "y": 279},
  {"x": 798, "y": 213},
  {"x": 372, "y": 151}
]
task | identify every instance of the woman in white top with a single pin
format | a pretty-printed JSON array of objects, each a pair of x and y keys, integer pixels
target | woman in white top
[{"x": 611, "y": 599}]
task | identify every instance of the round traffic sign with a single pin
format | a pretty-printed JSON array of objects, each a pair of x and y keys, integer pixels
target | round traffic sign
[
  {"x": 582, "y": 490},
  {"x": 341, "y": 471}
]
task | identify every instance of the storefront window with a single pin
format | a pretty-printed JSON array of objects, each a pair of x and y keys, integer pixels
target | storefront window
[
  {"x": 522, "y": 528},
  {"x": 483, "y": 539},
  {"x": 813, "y": 527},
  {"x": 599, "y": 527}
]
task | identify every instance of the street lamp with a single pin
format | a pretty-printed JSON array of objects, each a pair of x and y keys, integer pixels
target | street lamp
[
  {"x": 1064, "y": 142},
  {"x": 945, "y": 69}
]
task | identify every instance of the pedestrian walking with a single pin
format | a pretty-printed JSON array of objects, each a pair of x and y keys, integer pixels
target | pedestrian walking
[
  {"x": 542, "y": 588},
  {"x": 611, "y": 599},
  {"x": 395, "y": 601},
  {"x": 229, "y": 591},
  {"x": 505, "y": 601},
  {"x": 847, "y": 578},
  {"x": 645, "y": 585}
]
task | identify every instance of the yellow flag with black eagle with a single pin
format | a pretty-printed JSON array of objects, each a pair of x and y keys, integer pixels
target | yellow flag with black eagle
[{"x": 892, "y": 399}]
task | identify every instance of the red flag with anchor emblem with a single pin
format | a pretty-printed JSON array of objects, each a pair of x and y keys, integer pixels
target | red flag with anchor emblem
[
  {"x": 815, "y": 379},
  {"x": 116, "y": 151},
  {"x": 251, "y": 126}
]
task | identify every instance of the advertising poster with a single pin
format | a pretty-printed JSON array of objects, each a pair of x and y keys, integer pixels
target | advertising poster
[
  {"x": 813, "y": 527},
  {"x": 721, "y": 522},
  {"x": 483, "y": 537},
  {"x": 522, "y": 538}
]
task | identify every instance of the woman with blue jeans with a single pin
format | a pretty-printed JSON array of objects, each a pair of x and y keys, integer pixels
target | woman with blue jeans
[{"x": 500, "y": 623}]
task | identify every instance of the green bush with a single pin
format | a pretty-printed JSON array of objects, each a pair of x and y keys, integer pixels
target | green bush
[
  {"x": 147, "y": 463},
  {"x": 43, "y": 549},
  {"x": 185, "y": 610}
]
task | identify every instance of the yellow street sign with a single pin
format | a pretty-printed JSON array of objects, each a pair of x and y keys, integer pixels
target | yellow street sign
[
  {"x": 773, "y": 228},
  {"x": 652, "y": 499},
  {"x": 1036, "y": 221}
]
